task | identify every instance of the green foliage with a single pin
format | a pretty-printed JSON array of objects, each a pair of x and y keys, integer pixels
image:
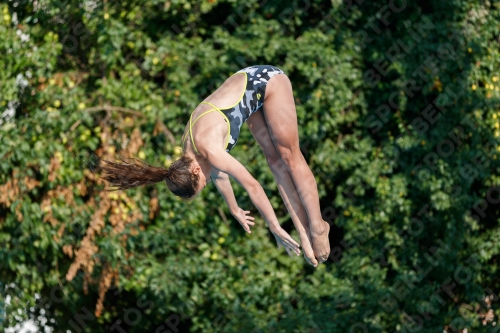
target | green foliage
[{"x": 398, "y": 109}]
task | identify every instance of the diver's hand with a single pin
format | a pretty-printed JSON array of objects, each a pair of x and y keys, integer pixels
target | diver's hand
[
  {"x": 244, "y": 218},
  {"x": 285, "y": 240}
]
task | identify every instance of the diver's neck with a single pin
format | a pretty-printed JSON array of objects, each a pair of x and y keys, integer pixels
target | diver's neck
[{"x": 196, "y": 157}]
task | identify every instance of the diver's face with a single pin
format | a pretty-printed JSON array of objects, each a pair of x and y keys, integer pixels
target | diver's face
[{"x": 203, "y": 171}]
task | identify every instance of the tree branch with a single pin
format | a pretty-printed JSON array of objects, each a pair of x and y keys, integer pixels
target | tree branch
[
  {"x": 166, "y": 131},
  {"x": 224, "y": 218},
  {"x": 113, "y": 108},
  {"x": 75, "y": 125}
]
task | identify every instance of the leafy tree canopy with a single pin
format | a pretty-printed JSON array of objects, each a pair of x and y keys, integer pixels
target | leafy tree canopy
[{"x": 398, "y": 107}]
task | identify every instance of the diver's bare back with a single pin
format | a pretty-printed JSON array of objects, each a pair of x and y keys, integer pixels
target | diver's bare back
[{"x": 227, "y": 94}]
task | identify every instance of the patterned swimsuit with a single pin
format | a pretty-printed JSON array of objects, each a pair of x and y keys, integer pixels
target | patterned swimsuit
[{"x": 251, "y": 100}]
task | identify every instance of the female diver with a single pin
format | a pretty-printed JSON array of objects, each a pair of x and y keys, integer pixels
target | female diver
[{"x": 262, "y": 96}]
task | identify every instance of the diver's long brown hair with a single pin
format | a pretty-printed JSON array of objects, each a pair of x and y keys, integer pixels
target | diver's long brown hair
[{"x": 124, "y": 175}]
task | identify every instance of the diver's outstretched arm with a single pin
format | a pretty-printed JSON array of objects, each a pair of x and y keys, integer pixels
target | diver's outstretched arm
[
  {"x": 222, "y": 182},
  {"x": 224, "y": 162}
]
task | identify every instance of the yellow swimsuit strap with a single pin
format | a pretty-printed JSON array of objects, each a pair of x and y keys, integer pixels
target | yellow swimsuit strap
[{"x": 190, "y": 131}]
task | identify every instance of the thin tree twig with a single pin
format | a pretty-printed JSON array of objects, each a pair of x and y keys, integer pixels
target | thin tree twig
[
  {"x": 467, "y": 306},
  {"x": 75, "y": 125},
  {"x": 113, "y": 108},
  {"x": 166, "y": 131},
  {"x": 58, "y": 279},
  {"x": 108, "y": 109},
  {"x": 224, "y": 218},
  {"x": 79, "y": 80}
]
